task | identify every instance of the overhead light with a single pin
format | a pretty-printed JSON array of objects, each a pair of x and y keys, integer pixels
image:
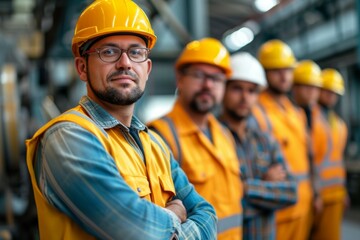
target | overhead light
[
  {"x": 239, "y": 38},
  {"x": 265, "y": 5}
]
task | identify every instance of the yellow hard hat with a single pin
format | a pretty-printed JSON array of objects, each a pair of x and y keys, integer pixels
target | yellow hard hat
[
  {"x": 104, "y": 17},
  {"x": 333, "y": 81},
  {"x": 307, "y": 72},
  {"x": 206, "y": 50},
  {"x": 275, "y": 54}
]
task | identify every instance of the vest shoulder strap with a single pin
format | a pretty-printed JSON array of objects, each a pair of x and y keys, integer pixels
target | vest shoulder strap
[
  {"x": 77, "y": 117},
  {"x": 261, "y": 119},
  {"x": 174, "y": 134}
]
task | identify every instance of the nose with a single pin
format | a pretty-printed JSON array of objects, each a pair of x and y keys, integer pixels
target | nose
[
  {"x": 208, "y": 81},
  {"x": 124, "y": 61}
]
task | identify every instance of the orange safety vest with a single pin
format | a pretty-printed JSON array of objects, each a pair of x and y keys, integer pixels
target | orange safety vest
[
  {"x": 53, "y": 224},
  {"x": 212, "y": 167},
  {"x": 287, "y": 125},
  {"x": 330, "y": 137}
]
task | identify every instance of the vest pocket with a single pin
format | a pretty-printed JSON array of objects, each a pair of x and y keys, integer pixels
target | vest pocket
[
  {"x": 139, "y": 184},
  {"x": 167, "y": 185},
  {"x": 200, "y": 175}
]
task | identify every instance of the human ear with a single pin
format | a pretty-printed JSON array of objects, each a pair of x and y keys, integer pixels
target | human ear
[
  {"x": 149, "y": 67},
  {"x": 81, "y": 68}
]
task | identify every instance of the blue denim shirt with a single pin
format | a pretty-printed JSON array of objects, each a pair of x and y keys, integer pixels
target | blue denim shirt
[
  {"x": 257, "y": 152},
  {"x": 95, "y": 195}
]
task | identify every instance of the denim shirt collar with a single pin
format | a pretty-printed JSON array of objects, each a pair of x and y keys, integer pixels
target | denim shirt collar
[{"x": 104, "y": 119}]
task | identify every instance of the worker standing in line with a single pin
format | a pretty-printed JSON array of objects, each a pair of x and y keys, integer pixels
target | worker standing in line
[
  {"x": 267, "y": 183},
  {"x": 278, "y": 115},
  {"x": 327, "y": 224},
  {"x": 305, "y": 94},
  {"x": 204, "y": 148},
  {"x": 96, "y": 170}
]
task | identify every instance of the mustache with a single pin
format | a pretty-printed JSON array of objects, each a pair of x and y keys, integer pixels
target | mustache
[
  {"x": 204, "y": 90},
  {"x": 196, "y": 95},
  {"x": 123, "y": 72}
]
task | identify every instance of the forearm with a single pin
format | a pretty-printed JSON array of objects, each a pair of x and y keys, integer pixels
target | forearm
[
  {"x": 202, "y": 220},
  {"x": 270, "y": 195}
]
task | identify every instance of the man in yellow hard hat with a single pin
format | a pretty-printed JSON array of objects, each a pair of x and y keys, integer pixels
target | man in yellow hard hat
[
  {"x": 333, "y": 130},
  {"x": 268, "y": 185},
  {"x": 278, "y": 115},
  {"x": 96, "y": 170},
  {"x": 203, "y": 147},
  {"x": 305, "y": 93}
]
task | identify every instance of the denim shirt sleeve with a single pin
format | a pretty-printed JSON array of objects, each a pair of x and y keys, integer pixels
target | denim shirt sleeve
[
  {"x": 271, "y": 195},
  {"x": 78, "y": 177},
  {"x": 202, "y": 220}
]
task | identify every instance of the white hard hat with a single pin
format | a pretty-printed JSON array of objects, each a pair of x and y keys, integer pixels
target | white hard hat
[{"x": 247, "y": 68}]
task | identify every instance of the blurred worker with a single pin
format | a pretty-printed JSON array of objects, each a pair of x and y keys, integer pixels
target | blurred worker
[
  {"x": 267, "y": 184},
  {"x": 204, "y": 148},
  {"x": 305, "y": 92},
  {"x": 280, "y": 117},
  {"x": 327, "y": 224},
  {"x": 97, "y": 171}
]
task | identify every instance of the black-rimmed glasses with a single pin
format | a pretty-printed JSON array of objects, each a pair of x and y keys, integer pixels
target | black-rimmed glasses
[
  {"x": 113, "y": 54},
  {"x": 201, "y": 76}
]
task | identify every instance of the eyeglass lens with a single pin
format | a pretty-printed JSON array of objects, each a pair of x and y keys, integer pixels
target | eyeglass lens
[
  {"x": 113, "y": 54},
  {"x": 202, "y": 76}
]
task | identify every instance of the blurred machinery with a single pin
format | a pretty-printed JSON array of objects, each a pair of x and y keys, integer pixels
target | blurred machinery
[
  {"x": 38, "y": 80},
  {"x": 17, "y": 212}
]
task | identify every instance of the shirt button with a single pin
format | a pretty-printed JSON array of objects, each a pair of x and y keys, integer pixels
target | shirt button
[{"x": 138, "y": 189}]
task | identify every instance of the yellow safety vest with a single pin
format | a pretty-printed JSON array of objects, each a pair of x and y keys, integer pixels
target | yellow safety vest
[
  {"x": 212, "y": 167},
  {"x": 153, "y": 179},
  {"x": 287, "y": 125},
  {"x": 330, "y": 137}
]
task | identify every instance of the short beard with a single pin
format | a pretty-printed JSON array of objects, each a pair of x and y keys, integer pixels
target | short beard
[
  {"x": 276, "y": 90},
  {"x": 111, "y": 95},
  {"x": 196, "y": 106},
  {"x": 236, "y": 117}
]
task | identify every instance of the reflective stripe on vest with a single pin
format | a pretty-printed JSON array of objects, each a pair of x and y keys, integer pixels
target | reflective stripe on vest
[
  {"x": 331, "y": 164},
  {"x": 227, "y": 223},
  {"x": 263, "y": 122},
  {"x": 326, "y": 164},
  {"x": 175, "y": 136},
  {"x": 333, "y": 182},
  {"x": 301, "y": 177}
]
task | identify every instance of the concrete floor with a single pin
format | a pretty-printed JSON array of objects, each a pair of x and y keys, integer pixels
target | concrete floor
[{"x": 351, "y": 224}]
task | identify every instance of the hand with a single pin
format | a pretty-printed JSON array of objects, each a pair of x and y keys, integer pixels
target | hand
[
  {"x": 275, "y": 173},
  {"x": 347, "y": 202},
  {"x": 318, "y": 205},
  {"x": 177, "y": 207}
]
